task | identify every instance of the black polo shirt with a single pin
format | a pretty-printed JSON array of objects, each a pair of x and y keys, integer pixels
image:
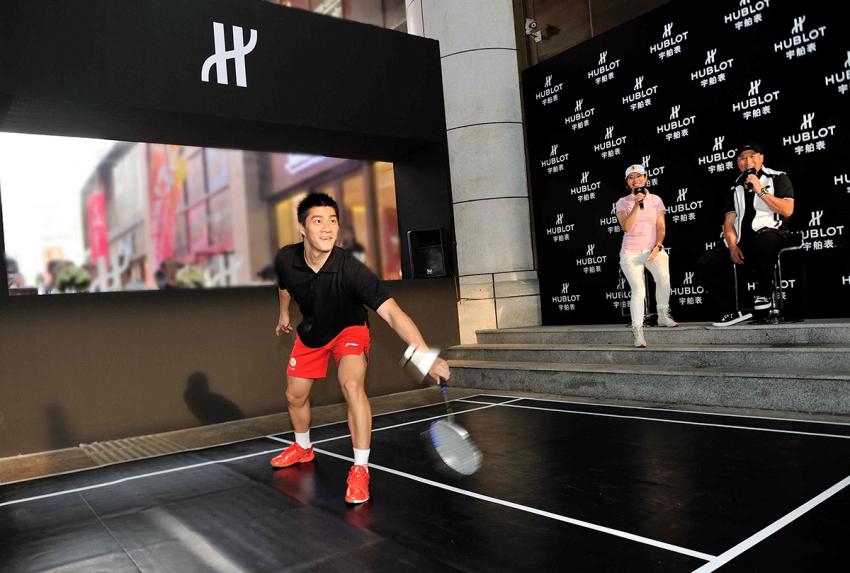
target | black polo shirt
[{"x": 331, "y": 299}]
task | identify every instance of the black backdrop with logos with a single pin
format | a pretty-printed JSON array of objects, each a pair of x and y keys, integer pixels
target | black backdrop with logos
[{"x": 678, "y": 90}]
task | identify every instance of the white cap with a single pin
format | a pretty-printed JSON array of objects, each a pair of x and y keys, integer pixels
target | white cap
[{"x": 636, "y": 168}]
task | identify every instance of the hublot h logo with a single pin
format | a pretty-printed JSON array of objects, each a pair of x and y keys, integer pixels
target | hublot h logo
[
  {"x": 222, "y": 54},
  {"x": 718, "y": 143}
]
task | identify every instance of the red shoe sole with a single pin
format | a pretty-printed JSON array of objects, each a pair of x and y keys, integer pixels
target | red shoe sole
[{"x": 301, "y": 461}]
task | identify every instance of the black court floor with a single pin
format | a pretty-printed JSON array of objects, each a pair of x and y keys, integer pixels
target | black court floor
[{"x": 565, "y": 486}]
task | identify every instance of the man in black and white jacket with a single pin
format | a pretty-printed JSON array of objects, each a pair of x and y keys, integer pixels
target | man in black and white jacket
[{"x": 755, "y": 227}]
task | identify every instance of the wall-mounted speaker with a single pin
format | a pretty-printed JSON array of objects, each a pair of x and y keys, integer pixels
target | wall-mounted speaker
[{"x": 427, "y": 255}]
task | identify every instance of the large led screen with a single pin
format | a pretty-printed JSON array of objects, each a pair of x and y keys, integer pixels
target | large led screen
[{"x": 88, "y": 215}]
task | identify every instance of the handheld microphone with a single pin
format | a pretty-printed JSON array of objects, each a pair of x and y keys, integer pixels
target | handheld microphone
[
  {"x": 640, "y": 190},
  {"x": 742, "y": 179}
]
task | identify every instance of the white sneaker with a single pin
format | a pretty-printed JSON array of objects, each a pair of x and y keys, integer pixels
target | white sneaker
[
  {"x": 640, "y": 341},
  {"x": 664, "y": 318},
  {"x": 762, "y": 303}
]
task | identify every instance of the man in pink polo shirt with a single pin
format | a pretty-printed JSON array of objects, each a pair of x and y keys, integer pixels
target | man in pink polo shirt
[{"x": 641, "y": 215}]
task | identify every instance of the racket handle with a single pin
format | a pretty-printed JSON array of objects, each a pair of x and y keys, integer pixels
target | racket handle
[{"x": 443, "y": 390}]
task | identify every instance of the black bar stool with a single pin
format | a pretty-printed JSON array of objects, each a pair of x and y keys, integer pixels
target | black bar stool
[{"x": 776, "y": 315}]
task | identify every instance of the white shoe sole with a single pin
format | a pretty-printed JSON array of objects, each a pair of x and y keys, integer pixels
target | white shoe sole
[
  {"x": 741, "y": 318},
  {"x": 762, "y": 306}
]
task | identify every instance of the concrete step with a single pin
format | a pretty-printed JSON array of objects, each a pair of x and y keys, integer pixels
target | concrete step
[
  {"x": 808, "y": 332},
  {"x": 829, "y": 356},
  {"x": 786, "y": 389}
]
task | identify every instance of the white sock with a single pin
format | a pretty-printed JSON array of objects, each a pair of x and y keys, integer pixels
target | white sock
[
  {"x": 303, "y": 440},
  {"x": 361, "y": 457}
]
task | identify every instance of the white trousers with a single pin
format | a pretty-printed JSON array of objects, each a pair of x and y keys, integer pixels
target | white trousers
[{"x": 633, "y": 265}]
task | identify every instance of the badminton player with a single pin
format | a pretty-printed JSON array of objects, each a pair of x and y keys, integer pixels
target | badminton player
[{"x": 333, "y": 289}]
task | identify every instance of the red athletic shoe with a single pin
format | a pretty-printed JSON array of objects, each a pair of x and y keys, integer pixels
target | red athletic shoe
[
  {"x": 292, "y": 455},
  {"x": 358, "y": 485}
]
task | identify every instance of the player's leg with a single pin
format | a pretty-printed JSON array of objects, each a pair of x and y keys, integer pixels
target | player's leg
[
  {"x": 352, "y": 353},
  {"x": 352, "y": 381},
  {"x": 305, "y": 365}
]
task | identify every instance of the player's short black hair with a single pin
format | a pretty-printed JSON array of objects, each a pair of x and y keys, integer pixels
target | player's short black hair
[{"x": 315, "y": 200}]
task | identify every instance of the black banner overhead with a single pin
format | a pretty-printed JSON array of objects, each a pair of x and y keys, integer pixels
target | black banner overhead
[
  {"x": 245, "y": 60},
  {"x": 677, "y": 90},
  {"x": 243, "y": 74}
]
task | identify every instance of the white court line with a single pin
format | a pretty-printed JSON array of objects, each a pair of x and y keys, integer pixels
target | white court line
[
  {"x": 388, "y": 413},
  {"x": 211, "y": 462},
  {"x": 661, "y": 409},
  {"x": 131, "y": 478},
  {"x": 209, "y": 447},
  {"x": 686, "y": 422},
  {"x": 489, "y": 405},
  {"x": 527, "y": 509},
  {"x": 727, "y": 556}
]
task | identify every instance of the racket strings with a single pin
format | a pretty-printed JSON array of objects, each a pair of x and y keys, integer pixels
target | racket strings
[{"x": 455, "y": 448}]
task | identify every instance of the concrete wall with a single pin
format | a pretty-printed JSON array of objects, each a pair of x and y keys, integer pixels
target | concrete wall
[{"x": 82, "y": 368}]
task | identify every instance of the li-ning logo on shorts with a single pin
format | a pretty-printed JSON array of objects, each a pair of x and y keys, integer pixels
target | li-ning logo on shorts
[{"x": 222, "y": 54}]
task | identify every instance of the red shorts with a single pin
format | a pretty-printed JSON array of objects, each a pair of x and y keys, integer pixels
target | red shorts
[{"x": 306, "y": 362}]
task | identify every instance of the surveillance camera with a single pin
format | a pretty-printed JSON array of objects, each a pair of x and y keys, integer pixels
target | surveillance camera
[{"x": 532, "y": 31}]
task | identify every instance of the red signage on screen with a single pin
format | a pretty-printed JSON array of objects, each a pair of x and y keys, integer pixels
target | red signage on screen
[{"x": 98, "y": 239}]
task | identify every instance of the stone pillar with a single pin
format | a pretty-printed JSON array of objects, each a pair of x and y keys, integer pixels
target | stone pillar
[{"x": 481, "y": 84}]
